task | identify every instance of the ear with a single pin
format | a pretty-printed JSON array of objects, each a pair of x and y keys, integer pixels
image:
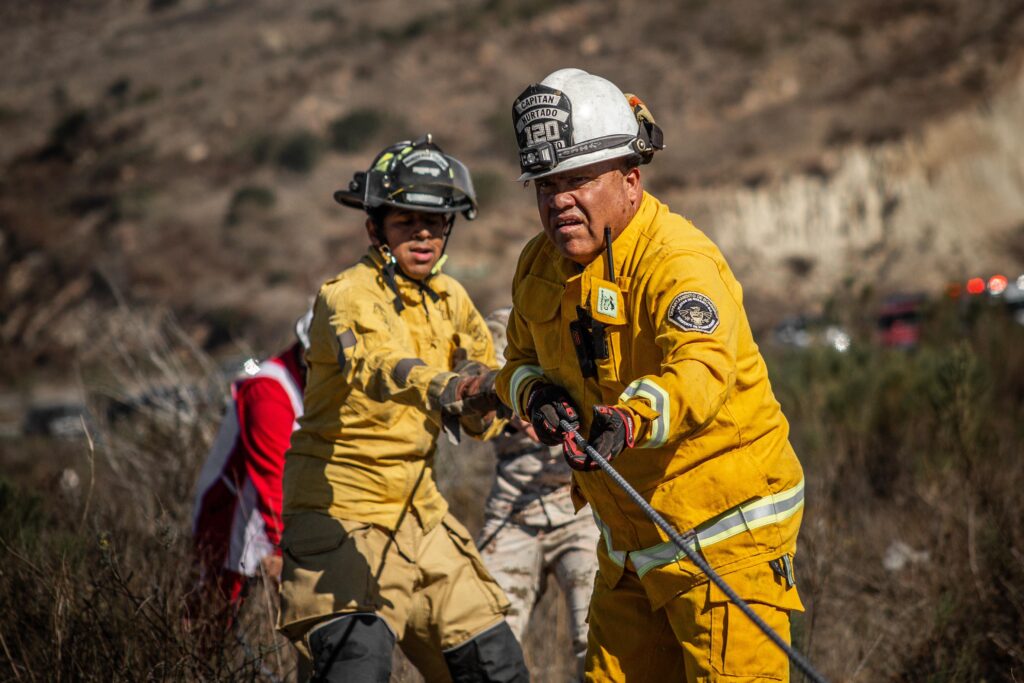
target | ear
[
  {"x": 634, "y": 185},
  {"x": 371, "y": 232}
]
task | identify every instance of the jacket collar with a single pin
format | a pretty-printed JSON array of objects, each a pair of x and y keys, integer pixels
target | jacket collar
[{"x": 410, "y": 290}]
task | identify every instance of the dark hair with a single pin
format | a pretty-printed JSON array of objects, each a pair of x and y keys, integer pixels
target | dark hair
[
  {"x": 377, "y": 214},
  {"x": 630, "y": 162}
]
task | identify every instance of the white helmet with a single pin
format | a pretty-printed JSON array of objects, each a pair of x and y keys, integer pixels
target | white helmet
[{"x": 573, "y": 119}]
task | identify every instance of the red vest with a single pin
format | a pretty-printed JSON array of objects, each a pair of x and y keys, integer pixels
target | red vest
[{"x": 237, "y": 519}]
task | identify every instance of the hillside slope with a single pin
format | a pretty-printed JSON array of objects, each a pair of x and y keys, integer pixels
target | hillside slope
[{"x": 180, "y": 154}]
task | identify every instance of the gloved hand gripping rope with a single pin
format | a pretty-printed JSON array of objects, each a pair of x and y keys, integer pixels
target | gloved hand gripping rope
[{"x": 798, "y": 659}]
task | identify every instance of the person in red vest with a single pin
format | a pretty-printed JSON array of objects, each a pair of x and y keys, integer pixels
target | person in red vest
[{"x": 237, "y": 521}]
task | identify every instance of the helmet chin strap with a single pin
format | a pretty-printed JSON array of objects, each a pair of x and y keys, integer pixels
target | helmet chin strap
[{"x": 392, "y": 269}]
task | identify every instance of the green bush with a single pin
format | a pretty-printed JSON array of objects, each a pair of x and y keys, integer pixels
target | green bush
[
  {"x": 358, "y": 129},
  {"x": 260, "y": 147},
  {"x": 72, "y": 128},
  {"x": 118, "y": 89},
  {"x": 147, "y": 94},
  {"x": 299, "y": 152},
  {"x": 367, "y": 128},
  {"x": 249, "y": 201}
]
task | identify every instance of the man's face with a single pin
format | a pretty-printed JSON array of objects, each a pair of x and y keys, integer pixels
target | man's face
[
  {"x": 575, "y": 206},
  {"x": 415, "y": 238}
]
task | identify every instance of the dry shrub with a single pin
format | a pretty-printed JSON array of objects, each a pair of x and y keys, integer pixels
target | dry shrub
[
  {"x": 97, "y": 582},
  {"x": 912, "y": 553},
  {"x": 911, "y": 556}
]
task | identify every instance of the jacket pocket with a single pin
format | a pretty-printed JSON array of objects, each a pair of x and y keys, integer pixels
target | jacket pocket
[
  {"x": 312, "y": 534},
  {"x": 539, "y": 302},
  {"x": 327, "y": 569}
]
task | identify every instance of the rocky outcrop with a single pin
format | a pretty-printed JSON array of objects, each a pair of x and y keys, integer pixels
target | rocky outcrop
[{"x": 915, "y": 214}]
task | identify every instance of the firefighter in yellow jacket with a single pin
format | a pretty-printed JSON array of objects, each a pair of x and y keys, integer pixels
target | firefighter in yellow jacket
[
  {"x": 628, "y": 322},
  {"x": 397, "y": 353}
]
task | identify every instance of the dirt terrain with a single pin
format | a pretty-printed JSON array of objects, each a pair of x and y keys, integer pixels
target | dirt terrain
[{"x": 179, "y": 155}]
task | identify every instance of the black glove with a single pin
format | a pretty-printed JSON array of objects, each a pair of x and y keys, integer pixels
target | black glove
[
  {"x": 611, "y": 432},
  {"x": 547, "y": 406}
]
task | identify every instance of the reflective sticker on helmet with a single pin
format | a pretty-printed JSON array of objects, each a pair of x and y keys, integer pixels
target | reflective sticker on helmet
[
  {"x": 425, "y": 155},
  {"x": 693, "y": 311},
  {"x": 422, "y": 198},
  {"x": 382, "y": 162},
  {"x": 542, "y": 115}
]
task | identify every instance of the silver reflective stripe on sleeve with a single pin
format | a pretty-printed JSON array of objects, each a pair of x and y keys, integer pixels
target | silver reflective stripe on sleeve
[
  {"x": 346, "y": 340},
  {"x": 400, "y": 373},
  {"x": 772, "y": 509},
  {"x": 658, "y": 398},
  {"x": 522, "y": 373}
]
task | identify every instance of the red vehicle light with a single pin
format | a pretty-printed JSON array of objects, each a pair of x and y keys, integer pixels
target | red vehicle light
[
  {"x": 997, "y": 284},
  {"x": 975, "y": 285}
]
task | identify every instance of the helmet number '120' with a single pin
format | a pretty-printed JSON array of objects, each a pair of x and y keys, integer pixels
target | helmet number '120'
[{"x": 542, "y": 131}]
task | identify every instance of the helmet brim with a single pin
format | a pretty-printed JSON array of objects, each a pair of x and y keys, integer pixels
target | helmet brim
[
  {"x": 349, "y": 199},
  {"x": 355, "y": 201}
]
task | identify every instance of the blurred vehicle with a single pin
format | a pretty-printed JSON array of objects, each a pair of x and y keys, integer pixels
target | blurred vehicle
[
  {"x": 1012, "y": 294},
  {"x": 57, "y": 420},
  {"x": 805, "y": 332},
  {"x": 899, "y": 321},
  {"x": 996, "y": 290}
]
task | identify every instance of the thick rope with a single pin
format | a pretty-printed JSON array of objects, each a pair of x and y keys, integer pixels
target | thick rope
[{"x": 798, "y": 659}]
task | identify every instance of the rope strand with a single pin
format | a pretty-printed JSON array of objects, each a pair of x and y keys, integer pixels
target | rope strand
[{"x": 798, "y": 659}]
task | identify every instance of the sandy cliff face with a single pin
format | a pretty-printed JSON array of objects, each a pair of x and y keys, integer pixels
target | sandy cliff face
[{"x": 935, "y": 207}]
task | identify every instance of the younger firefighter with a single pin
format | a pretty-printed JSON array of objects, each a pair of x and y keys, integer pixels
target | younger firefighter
[
  {"x": 629, "y": 325},
  {"x": 397, "y": 353},
  {"x": 237, "y": 520},
  {"x": 531, "y": 530}
]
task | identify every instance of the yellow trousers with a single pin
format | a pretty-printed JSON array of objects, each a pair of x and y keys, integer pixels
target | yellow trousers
[
  {"x": 698, "y": 636},
  {"x": 430, "y": 587}
]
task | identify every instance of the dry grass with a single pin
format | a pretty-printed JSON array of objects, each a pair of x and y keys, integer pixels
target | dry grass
[{"x": 919, "y": 448}]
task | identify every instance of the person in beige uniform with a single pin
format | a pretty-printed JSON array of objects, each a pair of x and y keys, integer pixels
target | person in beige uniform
[
  {"x": 531, "y": 530},
  {"x": 397, "y": 353}
]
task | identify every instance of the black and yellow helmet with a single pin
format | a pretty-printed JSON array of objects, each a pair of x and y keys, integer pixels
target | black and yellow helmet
[{"x": 415, "y": 175}]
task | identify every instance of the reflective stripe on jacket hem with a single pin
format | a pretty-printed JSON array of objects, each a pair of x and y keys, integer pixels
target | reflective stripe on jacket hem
[{"x": 760, "y": 512}]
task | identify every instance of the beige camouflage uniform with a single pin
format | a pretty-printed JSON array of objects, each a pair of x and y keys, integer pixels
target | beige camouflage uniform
[{"x": 531, "y": 529}]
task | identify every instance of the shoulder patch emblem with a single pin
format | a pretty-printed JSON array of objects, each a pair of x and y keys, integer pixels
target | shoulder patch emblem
[{"x": 693, "y": 311}]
